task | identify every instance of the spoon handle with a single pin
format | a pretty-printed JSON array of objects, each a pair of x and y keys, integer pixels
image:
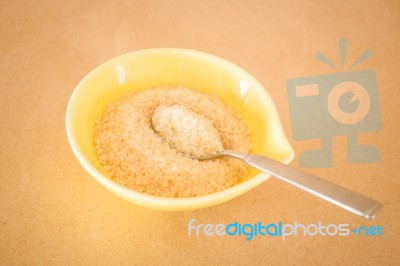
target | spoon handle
[{"x": 340, "y": 196}]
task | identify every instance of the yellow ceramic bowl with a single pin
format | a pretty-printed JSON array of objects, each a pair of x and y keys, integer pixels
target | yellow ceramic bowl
[{"x": 174, "y": 67}]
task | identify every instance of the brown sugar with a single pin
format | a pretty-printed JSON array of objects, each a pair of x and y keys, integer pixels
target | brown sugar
[
  {"x": 132, "y": 154},
  {"x": 187, "y": 132}
]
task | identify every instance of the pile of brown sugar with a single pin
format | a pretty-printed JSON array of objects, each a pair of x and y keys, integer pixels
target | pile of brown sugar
[
  {"x": 135, "y": 156},
  {"x": 186, "y": 131}
]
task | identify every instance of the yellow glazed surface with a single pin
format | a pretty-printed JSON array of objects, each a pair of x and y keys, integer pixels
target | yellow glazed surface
[{"x": 169, "y": 67}]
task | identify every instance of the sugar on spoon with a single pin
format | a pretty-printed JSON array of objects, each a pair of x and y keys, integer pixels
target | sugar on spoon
[{"x": 196, "y": 137}]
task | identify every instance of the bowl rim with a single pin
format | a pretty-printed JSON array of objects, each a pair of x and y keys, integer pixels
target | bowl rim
[{"x": 169, "y": 203}]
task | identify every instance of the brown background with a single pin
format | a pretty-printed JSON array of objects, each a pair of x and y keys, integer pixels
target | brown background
[{"x": 53, "y": 212}]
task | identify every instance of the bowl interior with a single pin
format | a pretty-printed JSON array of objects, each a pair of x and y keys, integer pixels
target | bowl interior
[{"x": 175, "y": 68}]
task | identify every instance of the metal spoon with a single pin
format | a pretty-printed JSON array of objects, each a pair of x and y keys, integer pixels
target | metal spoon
[{"x": 340, "y": 196}]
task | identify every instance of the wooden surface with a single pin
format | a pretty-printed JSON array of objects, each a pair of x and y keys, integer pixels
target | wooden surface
[{"x": 53, "y": 213}]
